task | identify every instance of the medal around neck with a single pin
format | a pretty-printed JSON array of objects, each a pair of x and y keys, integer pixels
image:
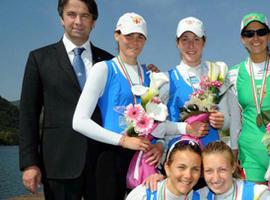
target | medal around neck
[{"x": 259, "y": 120}]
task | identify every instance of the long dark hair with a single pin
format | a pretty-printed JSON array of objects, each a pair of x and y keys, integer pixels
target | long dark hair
[{"x": 182, "y": 145}]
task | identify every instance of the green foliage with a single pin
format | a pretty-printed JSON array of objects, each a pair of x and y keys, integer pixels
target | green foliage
[
  {"x": 9, "y": 137},
  {"x": 9, "y": 122}
]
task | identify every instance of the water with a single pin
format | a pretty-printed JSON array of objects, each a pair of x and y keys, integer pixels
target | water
[{"x": 10, "y": 175}]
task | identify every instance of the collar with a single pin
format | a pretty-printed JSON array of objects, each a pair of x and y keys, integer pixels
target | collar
[
  {"x": 197, "y": 71},
  {"x": 188, "y": 68},
  {"x": 258, "y": 69},
  {"x": 195, "y": 68},
  {"x": 171, "y": 196},
  {"x": 70, "y": 45},
  {"x": 228, "y": 194}
]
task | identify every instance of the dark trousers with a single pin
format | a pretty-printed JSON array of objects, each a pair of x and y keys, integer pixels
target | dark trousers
[
  {"x": 112, "y": 169},
  {"x": 74, "y": 189}
]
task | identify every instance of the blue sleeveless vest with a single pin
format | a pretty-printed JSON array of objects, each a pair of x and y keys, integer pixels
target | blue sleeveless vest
[
  {"x": 117, "y": 92},
  {"x": 153, "y": 195},
  {"x": 248, "y": 191},
  {"x": 179, "y": 93}
]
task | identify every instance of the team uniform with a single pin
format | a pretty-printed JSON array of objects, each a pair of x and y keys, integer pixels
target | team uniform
[
  {"x": 245, "y": 133},
  {"x": 183, "y": 81},
  {"x": 162, "y": 193},
  {"x": 241, "y": 190}
]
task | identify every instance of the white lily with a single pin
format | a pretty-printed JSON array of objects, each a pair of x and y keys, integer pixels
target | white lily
[
  {"x": 139, "y": 90},
  {"x": 213, "y": 71},
  {"x": 148, "y": 96},
  {"x": 157, "y": 111},
  {"x": 157, "y": 80},
  {"x": 147, "y": 93},
  {"x": 223, "y": 71}
]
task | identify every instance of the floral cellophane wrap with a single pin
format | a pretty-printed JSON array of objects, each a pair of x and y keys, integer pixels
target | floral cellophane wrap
[
  {"x": 204, "y": 100},
  {"x": 142, "y": 119}
]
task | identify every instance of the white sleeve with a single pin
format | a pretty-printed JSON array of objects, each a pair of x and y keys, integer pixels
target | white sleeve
[
  {"x": 175, "y": 128},
  {"x": 261, "y": 192},
  {"x": 223, "y": 107},
  {"x": 138, "y": 193},
  {"x": 164, "y": 91},
  {"x": 169, "y": 128},
  {"x": 235, "y": 117},
  {"x": 82, "y": 121}
]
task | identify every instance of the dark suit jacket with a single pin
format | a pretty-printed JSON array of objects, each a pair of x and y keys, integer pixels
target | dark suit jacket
[{"x": 50, "y": 87}]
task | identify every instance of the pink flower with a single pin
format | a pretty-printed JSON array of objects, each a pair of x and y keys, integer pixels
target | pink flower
[
  {"x": 198, "y": 93},
  {"x": 268, "y": 128},
  {"x": 134, "y": 112},
  {"x": 205, "y": 83},
  {"x": 144, "y": 125},
  {"x": 156, "y": 100},
  {"x": 216, "y": 84}
]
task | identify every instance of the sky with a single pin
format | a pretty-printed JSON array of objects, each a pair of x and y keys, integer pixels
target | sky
[{"x": 30, "y": 24}]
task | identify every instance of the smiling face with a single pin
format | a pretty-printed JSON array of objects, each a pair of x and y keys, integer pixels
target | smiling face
[
  {"x": 183, "y": 171},
  {"x": 130, "y": 46},
  {"x": 77, "y": 21},
  {"x": 256, "y": 45},
  {"x": 218, "y": 171},
  {"x": 191, "y": 48}
]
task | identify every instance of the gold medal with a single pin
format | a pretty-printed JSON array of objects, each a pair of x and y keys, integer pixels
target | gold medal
[
  {"x": 259, "y": 91},
  {"x": 259, "y": 120}
]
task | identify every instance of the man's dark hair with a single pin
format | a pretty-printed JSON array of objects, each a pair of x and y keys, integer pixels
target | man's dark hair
[{"x": 91, "y": 4}]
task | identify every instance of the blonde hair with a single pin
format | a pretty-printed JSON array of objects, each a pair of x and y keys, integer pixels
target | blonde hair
[{"x": 221, "y": 147}]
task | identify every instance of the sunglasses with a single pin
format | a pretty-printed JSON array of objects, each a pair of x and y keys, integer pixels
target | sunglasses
[{"x": 251, "y": 33}]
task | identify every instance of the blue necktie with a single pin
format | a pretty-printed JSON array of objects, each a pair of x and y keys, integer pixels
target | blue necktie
[{"x": 79, "y": 66}]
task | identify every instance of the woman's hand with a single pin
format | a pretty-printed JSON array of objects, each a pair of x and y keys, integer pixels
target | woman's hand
[
  {"x": 197, "y": 129},
  {"x": 152, "y": 180},
  {"x": 135, "y": 143},
  {"x": 154, "y": 154},
  {"x": 216, "y": 119}
]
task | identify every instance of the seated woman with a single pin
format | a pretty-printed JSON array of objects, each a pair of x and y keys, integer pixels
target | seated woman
[
  {"x": 219, "y": 176},
  {"x": 183, "y": 169}
]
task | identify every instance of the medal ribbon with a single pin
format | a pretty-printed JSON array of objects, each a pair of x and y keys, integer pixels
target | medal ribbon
[
  {"x": 124, "y": 69},
  {"x": 189, "y": 79},
  {"x": 164, "y": 192},
  {"x": 255, "y": 97}
]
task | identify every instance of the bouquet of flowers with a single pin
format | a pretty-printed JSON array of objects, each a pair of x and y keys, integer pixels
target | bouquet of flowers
[
  {"x": 141, "y": 120},
  {"x": 202, "y": 101}
]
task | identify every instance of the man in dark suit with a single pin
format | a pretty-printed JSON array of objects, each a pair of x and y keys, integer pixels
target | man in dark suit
[{"x": 63, "y": 159}]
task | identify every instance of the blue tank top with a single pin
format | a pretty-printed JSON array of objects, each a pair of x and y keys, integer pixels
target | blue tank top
[
  {"x": 179, "y": 93},
  {"x": 117, "y": 92},
  {"x": 153, "y": 195},
  {"x": 248, "y": 191}
]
